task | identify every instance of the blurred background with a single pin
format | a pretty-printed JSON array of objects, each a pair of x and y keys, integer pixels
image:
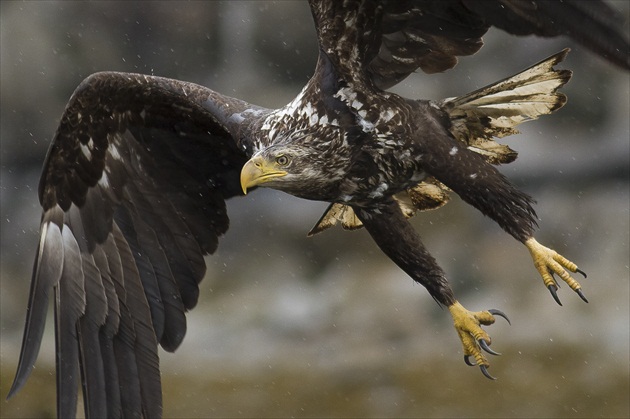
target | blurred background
[{"x": 328, "y": 326}]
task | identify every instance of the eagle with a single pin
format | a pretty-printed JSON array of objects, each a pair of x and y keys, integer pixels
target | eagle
[{"x": 135, "y": 182}]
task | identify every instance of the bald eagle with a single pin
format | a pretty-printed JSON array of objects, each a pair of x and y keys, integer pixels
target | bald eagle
[{"x": 134, "y": 185}]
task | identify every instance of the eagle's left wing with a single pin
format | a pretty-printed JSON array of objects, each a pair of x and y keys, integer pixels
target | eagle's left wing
[{"x": 133, "y": 193}]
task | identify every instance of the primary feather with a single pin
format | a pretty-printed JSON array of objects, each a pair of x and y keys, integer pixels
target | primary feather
[{"x": 134, "y": 185}]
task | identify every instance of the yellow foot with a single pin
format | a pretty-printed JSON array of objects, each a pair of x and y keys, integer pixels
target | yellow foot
[
  {"x": 473, "y": 337},
  {"x": 549, "y": 262}
]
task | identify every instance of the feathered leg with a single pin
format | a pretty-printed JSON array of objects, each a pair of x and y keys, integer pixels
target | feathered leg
[
  {"x": 481, "y": 185},
  {"x": 401, "y": 243},
  {"x": 495, "y": 111}
]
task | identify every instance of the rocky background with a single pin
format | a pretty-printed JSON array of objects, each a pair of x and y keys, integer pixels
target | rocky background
[{"x": 328, "y": 326}]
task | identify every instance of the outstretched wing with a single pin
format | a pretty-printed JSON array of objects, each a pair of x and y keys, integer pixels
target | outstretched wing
[
  {"x": 392, "y": 39},
  {"x": 133, "y": 191}
]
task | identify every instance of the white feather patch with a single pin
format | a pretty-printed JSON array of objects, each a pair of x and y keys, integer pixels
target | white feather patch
[{"x": 86, "y": 151}]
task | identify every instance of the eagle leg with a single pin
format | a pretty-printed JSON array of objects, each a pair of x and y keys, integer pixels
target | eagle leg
[
  {"x": 398, "y": 240},
  {"x": 474, "y": 338},
  {"x": 548, "y": 263},
  {"x": 481, "y": 185}
]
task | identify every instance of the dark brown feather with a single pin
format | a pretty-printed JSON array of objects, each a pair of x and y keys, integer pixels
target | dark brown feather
[
  {"x": 135, "y": 181},
  {"x": 133, "y": 191},
  {"x": 396, "y": 38}
]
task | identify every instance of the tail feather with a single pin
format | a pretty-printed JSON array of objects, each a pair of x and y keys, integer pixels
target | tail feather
[
  {"x": 426, "y": 195},
  {"x": 477, "y": 118},
  {"x": 496, "y": 110}
]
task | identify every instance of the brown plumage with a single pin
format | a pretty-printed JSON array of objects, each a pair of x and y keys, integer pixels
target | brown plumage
[{"x": 134, "y": 185}]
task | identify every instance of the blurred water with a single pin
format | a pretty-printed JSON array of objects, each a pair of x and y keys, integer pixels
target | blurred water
[{"x": 327, "y": 326}]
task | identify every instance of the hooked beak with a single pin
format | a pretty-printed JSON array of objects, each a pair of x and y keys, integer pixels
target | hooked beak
[{"x": 259, "y": 170}]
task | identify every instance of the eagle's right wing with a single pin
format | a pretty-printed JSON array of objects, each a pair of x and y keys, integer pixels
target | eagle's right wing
[
  {"x": 393, "y": 39},
  {"x": 429, "y": 35}
]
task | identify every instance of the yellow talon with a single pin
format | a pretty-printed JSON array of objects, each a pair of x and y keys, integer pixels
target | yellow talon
[
  {"x": 549, "y": 262},
  {"x": 473, "y": 337}
]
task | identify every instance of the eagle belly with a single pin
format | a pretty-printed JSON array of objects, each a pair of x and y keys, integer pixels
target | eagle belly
[
  {"x": 380, "y": 174},
  {"x": 385, "y": 159}
]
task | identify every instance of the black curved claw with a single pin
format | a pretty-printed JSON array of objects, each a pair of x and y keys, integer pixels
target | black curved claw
[
  {"x": 484, "y": 371},
  {"x": 581, "y": 294},
  {"x": 552, "y": 289},
  {"x": 482, "y": 343},
  {"x": 581, "y": 272},
  {"x": 468, "y": 362},
  {"x": 499, "y": 313}
]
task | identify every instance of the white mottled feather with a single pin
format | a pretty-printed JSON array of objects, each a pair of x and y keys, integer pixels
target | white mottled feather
[
  {"x": 512, "y": 101},
  {"x": 496, "y": 110}
]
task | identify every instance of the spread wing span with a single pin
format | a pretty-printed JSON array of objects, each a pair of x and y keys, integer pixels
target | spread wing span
[
  {"x": 403, "y": 36},
  {"x": 133, "y": 191},
  {"x": 134, "y": 185}
]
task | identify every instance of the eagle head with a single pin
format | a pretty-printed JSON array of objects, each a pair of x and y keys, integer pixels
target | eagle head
[{"x": 296, "y": 169}]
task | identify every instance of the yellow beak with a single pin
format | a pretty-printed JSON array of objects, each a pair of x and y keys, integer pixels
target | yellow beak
[{"x": 259, "y": 170}]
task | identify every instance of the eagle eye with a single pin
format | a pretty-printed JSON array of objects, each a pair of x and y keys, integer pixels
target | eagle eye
[{"x": 282, "y": 160}]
